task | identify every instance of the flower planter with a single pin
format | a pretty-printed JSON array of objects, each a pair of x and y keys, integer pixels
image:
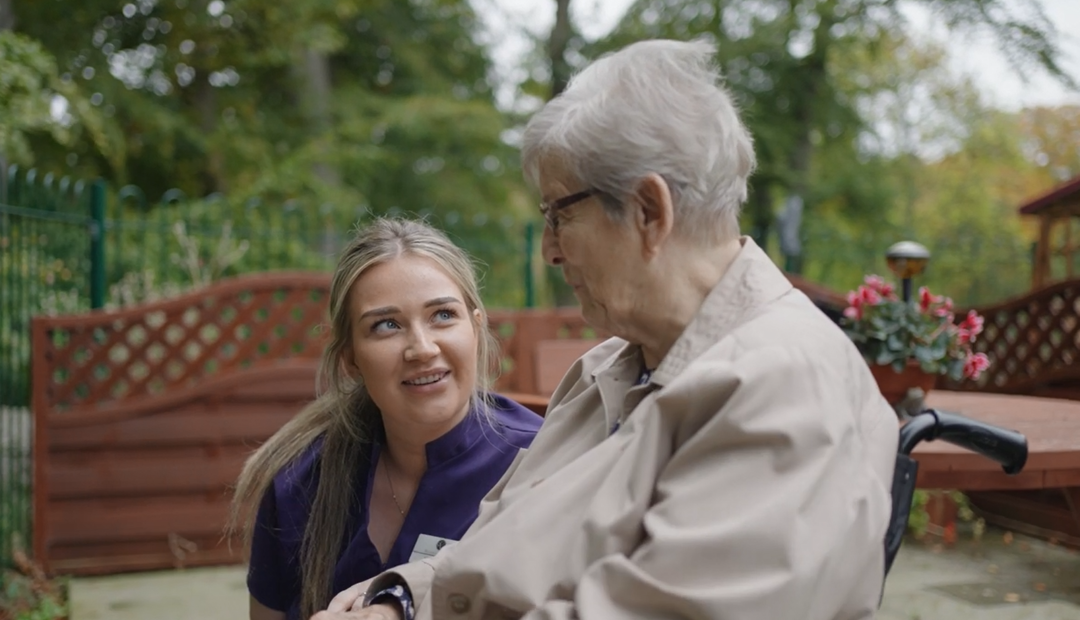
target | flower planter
[
  {"x": 894, "y": 385},
  {"x": 885, "y": 327}
]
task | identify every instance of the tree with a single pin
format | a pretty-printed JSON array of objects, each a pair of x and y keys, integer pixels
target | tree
[
  {"x": 35, "y": 101},
  {"x": 780, "y": 58},
  {"x": 274, "y": 100},
  {"x": 1052, "y": 141},
  {"x": 561, "y": 33}
]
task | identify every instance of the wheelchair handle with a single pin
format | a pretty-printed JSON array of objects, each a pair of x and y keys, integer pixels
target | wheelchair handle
[{"x": 1006, "y": 447}]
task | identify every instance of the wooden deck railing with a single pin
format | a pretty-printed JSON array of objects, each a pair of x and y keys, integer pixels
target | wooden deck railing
[
  {"x": 1033, "y": 343},
  {"x": 143, "y": 416}
]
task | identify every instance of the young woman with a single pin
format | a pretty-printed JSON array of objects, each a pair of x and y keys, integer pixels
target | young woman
[{"x": 392, "y": 460}]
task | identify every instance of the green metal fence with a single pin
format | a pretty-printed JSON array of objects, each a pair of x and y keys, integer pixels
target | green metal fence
[{"x": 69, "y": 246}]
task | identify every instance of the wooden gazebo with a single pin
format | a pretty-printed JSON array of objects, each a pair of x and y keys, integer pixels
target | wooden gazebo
[{"x": 1057, "y": 251}]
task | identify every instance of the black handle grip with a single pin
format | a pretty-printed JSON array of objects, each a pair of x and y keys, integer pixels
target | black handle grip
[{"x": 1007, "y": 447}]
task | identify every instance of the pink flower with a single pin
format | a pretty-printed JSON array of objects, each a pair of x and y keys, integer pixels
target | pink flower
[
  {"x": 926, "y": 300},
  {"x": 972, "y": 323},
  {"x": 945, "y": 309},
  {"x": 854, "y": 309},
  {"x": 878, "y": 284},
  {"x": 975, "y": 364},
  {"x": 869, "y": 296}
]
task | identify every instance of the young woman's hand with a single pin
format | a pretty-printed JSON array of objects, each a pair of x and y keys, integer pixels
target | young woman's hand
[{"x": 375, "y": 612}]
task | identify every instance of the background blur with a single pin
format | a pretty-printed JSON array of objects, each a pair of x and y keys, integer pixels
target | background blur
[
  {"x": 883, "y": 120},
  {"x": 153, "y": 146}
]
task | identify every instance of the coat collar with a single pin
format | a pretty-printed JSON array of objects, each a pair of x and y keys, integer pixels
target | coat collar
[{"x": 752, "y": 281}]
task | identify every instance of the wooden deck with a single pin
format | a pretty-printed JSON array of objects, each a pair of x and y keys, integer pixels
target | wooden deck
[
  {"x": 1044, "y": 499},
  {"x": 1052, "y": 427}
]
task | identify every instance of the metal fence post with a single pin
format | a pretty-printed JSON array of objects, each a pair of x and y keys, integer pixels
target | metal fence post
[
  {"x": 530, "y": 286},
  {"x": 97, "y": 244}
]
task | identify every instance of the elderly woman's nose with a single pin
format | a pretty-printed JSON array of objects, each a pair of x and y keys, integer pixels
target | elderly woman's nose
[{"x": 549, "y": 247}]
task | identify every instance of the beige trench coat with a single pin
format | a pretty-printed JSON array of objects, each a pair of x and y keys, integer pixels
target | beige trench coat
[{"x": 749, "y": 479}]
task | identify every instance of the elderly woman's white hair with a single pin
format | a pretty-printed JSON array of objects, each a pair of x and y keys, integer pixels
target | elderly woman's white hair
[{"x": 653, "y": 107}]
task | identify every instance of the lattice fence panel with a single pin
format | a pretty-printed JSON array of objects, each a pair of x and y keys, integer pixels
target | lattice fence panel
[
  {"x": 1031, "y": 342},
  {"x": 519, "y": 331},
  {"x": 101, "y": 359}
]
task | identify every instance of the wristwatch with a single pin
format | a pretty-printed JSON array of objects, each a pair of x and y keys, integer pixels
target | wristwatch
[{"x": 394, "y": 595}]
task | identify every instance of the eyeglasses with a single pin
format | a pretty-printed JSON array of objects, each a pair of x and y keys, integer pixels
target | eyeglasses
[{"x": 550, "y": 209}]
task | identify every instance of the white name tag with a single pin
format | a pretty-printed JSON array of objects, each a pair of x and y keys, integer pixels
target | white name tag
[{"x": 427, "y": 546}]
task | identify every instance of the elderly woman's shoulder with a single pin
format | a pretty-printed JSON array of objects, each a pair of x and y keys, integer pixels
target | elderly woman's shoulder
[{"x": 793, "y": 321}]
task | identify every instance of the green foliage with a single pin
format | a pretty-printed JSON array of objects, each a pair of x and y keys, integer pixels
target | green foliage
[
  {"x": 27, "y": 594},
  {"x": 25, "y": 73},
  {"x": 919, "y": 517},
  {"x": 236, "y": 101},
  {"x": 29, "y": 86},
  {"x": 860, "y": 120}
]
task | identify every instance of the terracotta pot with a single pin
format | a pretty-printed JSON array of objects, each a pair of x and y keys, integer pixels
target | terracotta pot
[{"x": 894, "y": 385}]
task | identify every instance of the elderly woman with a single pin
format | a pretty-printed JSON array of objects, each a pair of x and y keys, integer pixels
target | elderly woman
[{"x": 727, "y": 454}]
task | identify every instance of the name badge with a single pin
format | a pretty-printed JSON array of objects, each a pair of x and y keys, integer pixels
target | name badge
[{"x": 427, "y": 546}]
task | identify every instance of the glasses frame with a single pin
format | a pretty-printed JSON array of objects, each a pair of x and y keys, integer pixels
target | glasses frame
[{"x": 551, "y": 208}]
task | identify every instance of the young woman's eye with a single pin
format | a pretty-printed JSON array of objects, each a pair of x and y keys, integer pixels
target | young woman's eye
[
  {"x": 384, "y": 326},
  {"x": 445, "y": 314}
]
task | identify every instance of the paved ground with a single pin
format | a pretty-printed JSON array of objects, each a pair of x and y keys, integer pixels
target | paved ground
[
  {"x": 998, "y": 578},
  {"x": 217, "y": 593},
  {"x": 1001, "y": 577}
]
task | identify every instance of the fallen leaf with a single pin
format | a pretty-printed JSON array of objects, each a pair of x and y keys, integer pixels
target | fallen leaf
[
  {"x": 1012, "y": 597},
  {"x": 1039, "y": 587},
  {"x": 1007, "y": 538},
  {"x": 948, "y": 536},
  {"x": 992, "y": 569}
]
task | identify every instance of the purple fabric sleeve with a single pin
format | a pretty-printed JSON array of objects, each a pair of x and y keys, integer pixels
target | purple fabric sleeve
[{"x": 273, "y": 578}]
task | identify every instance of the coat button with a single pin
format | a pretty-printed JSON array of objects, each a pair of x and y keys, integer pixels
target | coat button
[{"x": 459, "y": 603}]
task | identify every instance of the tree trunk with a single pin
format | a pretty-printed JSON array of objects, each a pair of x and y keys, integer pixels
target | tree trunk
[
  {"x": 7, "y": 15},
  {"x": 213, "y": 175},
  {"x": 761, "y": 212},
  {"x": 7, "y": 22},
  {"x": 312, "y": 73},
  {"x": 561, "y": 33},
  {"x": 813, "y": 77}
]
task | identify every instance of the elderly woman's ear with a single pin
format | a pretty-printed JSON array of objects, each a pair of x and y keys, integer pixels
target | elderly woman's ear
[{"x": 653, "y": 214}]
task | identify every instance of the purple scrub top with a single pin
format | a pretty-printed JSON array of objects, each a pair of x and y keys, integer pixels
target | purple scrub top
[{"x": 463, "y": 465}]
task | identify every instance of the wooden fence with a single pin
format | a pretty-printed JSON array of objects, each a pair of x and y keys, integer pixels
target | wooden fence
[
  {"x": 1034, "y": 344},
  {"x": 144, "y": 416}
]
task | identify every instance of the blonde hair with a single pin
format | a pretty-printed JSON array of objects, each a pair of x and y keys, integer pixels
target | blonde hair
[{"x": 344, "y": 414}]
